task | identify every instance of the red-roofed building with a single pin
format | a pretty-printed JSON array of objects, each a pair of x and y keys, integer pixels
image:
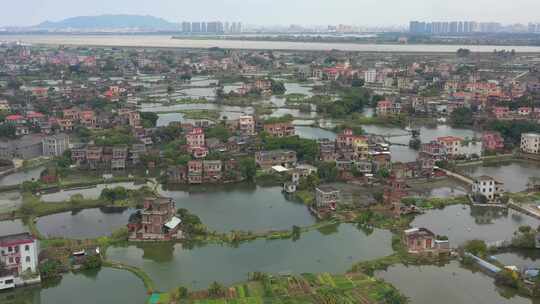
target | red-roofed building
[
  {"x": 492, "y": 141},
  {"x": 16, "y": 119},
  {"x": 452, "y": 144}
]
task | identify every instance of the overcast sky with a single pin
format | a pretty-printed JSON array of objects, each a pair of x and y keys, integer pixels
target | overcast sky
[{"x": 272, "y": 12}]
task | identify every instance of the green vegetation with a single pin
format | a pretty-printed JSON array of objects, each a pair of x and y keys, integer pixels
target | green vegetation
[
  {"x": 149, "y": 119},
  {"x": 351, "y": 101},
  {"x": 301, "y": 289},
  {"x": 306, "y": 149},
  {"x": 462, "y": 117}
]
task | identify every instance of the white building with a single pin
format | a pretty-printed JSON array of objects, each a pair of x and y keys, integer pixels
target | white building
[
  {"x": 469, "y": 148},
  {"x": 488, "y": 187},
  {"x": 19, "y": 254},
  {"x": 530, "y": 143},
  {"x": 370, "y": 76},
  {"x": 55, "y": 145}
]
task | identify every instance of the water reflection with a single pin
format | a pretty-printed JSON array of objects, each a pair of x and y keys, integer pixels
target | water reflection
[{"x": 333, "y": 250}]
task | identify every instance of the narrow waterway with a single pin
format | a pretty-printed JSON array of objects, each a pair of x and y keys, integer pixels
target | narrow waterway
[{"x": 333, "y": 249}]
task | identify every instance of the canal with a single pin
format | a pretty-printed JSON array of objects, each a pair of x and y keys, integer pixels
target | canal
[{"x": 514, "y": 175}]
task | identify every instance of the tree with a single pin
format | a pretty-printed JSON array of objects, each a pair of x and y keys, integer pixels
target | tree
[
  {"x": 476, "y": 247},
  {"x": 296, "y": 232},
  {"x": 248, "y": 168},
  {"x": 216, "y": 290},
  {"x": 462, "y": 117},
  {"x": 149, "y": 119},
  {"x": 218, "y": 131},
  {"x": 463, "y": 52},
  {"x": 92, "y": 262},
  {"x": 327, "y": 171},
  {"x": 50, "y": 269},
  {"x": 278, "y": 87}
]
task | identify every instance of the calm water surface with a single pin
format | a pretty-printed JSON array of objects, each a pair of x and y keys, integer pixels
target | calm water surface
[
  {"x": 450, "y": 284},
  {"x": 332, "y": 250},
  {"x": 514, "y": 175},
  {"x": 242, "y": 207},
  {"x": 462, "y": 223},
  {"x": 105, "y": 286},
  {"x": 88, "y": 223}
]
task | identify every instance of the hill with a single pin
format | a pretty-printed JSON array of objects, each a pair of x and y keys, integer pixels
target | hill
[{"x": 110, "y": 22}]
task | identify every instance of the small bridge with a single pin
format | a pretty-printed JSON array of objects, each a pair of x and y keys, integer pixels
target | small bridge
[{"x": 466, "y": 179}]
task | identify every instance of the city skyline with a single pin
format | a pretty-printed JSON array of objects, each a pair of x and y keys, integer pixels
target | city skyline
[{"x": 277, "y": 12}]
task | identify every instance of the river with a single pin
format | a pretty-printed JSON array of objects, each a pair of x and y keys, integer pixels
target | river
[
  {"x": 165, "y": 41},
  {"x": 333, "y": 249}
]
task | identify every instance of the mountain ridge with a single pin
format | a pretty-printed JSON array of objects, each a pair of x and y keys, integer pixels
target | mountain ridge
[{"x": 110, "y": 21}]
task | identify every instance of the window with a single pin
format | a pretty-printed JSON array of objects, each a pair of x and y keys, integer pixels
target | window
[
  {"x": 27, "y": 259},
  {"x": 26, "y": 248}
]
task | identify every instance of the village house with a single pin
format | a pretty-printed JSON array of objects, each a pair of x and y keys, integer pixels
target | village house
[
  {"x": 19, "y": 255},
  {"x": 246, "y": 125},
  {"x": 326, "y": 198},
  {"x": 280, "y": 129},
  {"x": 195, "y": 138},
  {"x": 488, "y": 187},
  {"x": 267, "y": 159},
  {"x": 212, "y": 171},
  {"x": 195, "y": 172},
  {"x": 492, "y": 141},
  {"x": 157, "y": 221},
  {"x": 55, "y": 145},
  {"x": 530, "y": 143},
  {"x": 422, "y": 240}
]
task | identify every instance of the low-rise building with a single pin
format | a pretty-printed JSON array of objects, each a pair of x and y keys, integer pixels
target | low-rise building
[
  {"x": 422, "y": 240},
  {"x": 26, "y": 147},
  {"x": 492, "y": 141},
  {"x": 280, "y": 129},
  {"x": 268, "y": 159}
]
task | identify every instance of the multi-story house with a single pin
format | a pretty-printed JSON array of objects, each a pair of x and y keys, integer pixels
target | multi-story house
[
  {"x": 119, "y": 157},
  {"x": 530, "y": 143},
  {"x": 212, "y": 170},
  {"x": 195, "y": 171},
  {"x": 195, "y": 138},
  {"x": 246, "y": 125},
  {"x": 94, "y": 155},
  {"x": 55, "y": 145},
  {"x": 488, "y": 187},
  {"x": 452, "y": 144},
  {"x": 492, "y": 141},
  {"x": 267, "y": 159},
  {"x": 326, "y": 197},
  {"x": 19, "y": 255},
  {"x": 157, "y": 221}
]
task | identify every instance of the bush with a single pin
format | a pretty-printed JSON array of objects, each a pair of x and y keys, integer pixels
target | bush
[
  {"x": 476, "y": 247},
  {"x": 92, "y": 262},
  {"x": 50, "y": 269}
]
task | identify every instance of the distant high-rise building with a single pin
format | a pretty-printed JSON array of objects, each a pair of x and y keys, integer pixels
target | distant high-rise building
[
  {"x": 196, "y": 27},
  {"x": 204, "y": 27},
  {"x": 186, "y": 27}
]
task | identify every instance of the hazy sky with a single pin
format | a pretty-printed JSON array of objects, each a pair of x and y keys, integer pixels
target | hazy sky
[{"x": 308, "y": 12}]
